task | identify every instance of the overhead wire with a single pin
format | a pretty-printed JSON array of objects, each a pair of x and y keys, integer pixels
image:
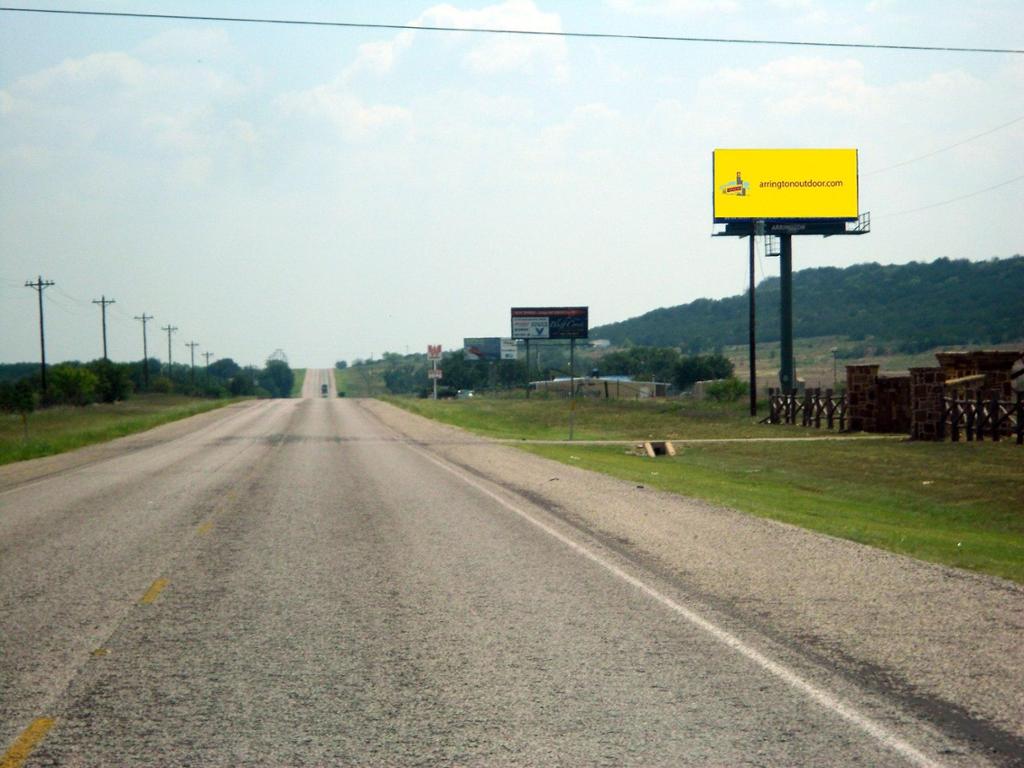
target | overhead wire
[
  {"x": 526, "y": 32},
  {"x": 943, "y": 149},
  {"x": 588, "y": 35},
  {"x": 952, "y": 200}
]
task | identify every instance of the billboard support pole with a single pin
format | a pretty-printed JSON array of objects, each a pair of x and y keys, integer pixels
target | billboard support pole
[
  {"x": 572, "y": 386},
  {"x": 787, "y": 374},
  {"x": 527, "y": 369},
  {"x": 753, "y": 343},
  {"x": 434, "y": 367}
]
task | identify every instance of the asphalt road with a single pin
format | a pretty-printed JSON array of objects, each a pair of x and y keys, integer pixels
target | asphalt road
[{"x": 298, "y": 582}]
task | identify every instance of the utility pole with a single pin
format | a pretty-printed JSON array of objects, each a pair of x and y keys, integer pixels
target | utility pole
[
  {"x": 207, "y": 355},
  {"x": 103, "y": 301},
  {"x": 145, "y": 349},
  {"x": 192, "y": 348},
  {"x": 39, "y": 286},
  {"x": 170, "y": 329},
  {"x": 753, "y": 333},
  {"x": 787, "y": 375}
]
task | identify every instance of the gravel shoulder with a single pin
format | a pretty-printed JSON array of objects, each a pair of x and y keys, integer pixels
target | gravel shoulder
[{"x": 946, "y": 643}]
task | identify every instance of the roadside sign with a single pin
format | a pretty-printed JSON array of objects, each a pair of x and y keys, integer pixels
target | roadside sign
[
  {"x": 509, "y": 349},
  {"x": 549, "y": 322},
  {"x": 433, "y": 351},
  {"x": 434, "y": 373}
]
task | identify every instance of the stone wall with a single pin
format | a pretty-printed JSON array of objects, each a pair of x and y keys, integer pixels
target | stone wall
[
  {"x": 994, "y": 364},
  {"x": 862, "y": 397},
  {"x": 895, "y": 404},
  {"x": 928, "y": 387}
]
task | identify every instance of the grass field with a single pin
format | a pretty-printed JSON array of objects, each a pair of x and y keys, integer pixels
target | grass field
[
  {"x": 360, "y": 381},
  {"x": 959, "y": 505},
  {"x": 298, "y": 380},
  {"x": 55, "y": 430},
  {"x": 548, "y": 419}
]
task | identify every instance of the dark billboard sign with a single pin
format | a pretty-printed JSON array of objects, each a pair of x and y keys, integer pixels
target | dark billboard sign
[{"x": 549, "y": 322}]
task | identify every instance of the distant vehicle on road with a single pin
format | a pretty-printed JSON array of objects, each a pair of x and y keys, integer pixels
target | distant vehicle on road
[
  {"x": 464, "y": 394},
  {"x": 323, "y": 390}
]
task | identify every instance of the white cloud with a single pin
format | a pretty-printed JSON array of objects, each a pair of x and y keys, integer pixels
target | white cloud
[
  {"x": 121, "y": 104},
  {"x": 380, "y": 57},
  {"x": 193, "y": 43},
  {"x": 336, "y": 103},
  {"x": 791, "y": 86},
  {"x": 673, "y": 7},
  {"x": 490, "y": 54}
]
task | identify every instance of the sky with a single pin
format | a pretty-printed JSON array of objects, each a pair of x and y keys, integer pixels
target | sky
[{"x": 341, "y": 192}]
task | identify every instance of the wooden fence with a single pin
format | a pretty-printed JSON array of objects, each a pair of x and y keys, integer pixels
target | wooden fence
[
  {"x": 810, "y": 409},
  {"x": 979, "y": 417}
]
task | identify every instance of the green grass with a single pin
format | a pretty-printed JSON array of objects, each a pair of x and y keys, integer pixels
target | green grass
[
  {"x": 65, "y": 428},
  {"x": 360, "y": 381},
  {"x": 956, "y": 504},
  {"x": 548, "y": 419},
  {"x": 299, "y": 378}
]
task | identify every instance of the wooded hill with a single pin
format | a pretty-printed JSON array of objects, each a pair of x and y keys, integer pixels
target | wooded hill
[{"x": 913, "y": 306}]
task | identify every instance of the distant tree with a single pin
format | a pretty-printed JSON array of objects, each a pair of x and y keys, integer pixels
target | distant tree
[
  {"x": 405, "y": 379},
  {"x": 727, "y": 390},
  {"x": 137, "y": 373},
  {"x": 113, "y": 380},
  {"x": 690, "y": 370},
  {"x": 18, "y": 398},
  {"x": 73, "y": 385},
  {"x": 919, "y": 304},
  {"x": 641, "y": 363},
  {"x": 13, "y": 372},
  {"x": 277, "y": 378},
  {"x": 241, "y": 385},
  {"x": 224, "y": 369},
  {"x": 341, "y": 365}
]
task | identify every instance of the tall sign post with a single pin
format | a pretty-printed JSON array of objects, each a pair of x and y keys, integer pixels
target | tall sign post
[
  {"x": 785, "y": 192},
  {"x": 549, "y": 323},
  {"x": 433, "y": 355}
]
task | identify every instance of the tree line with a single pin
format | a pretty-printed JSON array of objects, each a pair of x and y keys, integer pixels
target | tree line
[
  {"x": 76, "y": 383},
  {"x": 915, "y": 307},
  {"x": 407, "y": 374}
]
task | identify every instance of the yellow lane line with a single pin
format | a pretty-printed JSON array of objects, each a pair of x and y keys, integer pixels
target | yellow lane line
[
  {"x": 22, "y": 748},
  {"x": 154, "y": 591}
]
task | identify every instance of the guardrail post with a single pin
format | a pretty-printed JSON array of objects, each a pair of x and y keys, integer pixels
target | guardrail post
[
  {"x": 995, "y": 416},
  {"x": 1020, "y": 419},
  {"x": 979, "y": 418}
]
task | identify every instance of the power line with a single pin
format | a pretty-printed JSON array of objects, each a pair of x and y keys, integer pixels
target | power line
[
  {"x": 944, "y": 149},
  {"x": 528, "y": 32},
  {"x": 953, "y": 199}
]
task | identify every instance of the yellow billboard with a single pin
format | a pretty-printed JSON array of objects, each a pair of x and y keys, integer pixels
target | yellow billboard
[{"x": 785, "y": 184}]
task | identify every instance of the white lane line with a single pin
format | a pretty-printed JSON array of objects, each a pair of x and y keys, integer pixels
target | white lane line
[{"x": 827, "y": 700}]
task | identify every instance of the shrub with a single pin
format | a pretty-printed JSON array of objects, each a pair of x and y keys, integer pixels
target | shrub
[
  {"x": 727, "y": 390},
  {"x": 690, "y": 370},
  {"x": 113, "y": 383},
  {"x": 73, "y": 385}
]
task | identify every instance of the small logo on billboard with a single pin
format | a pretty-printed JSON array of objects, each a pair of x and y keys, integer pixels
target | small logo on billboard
[
  {"x": 738, "y": 187},
  {"x": 433, "y": 351}
]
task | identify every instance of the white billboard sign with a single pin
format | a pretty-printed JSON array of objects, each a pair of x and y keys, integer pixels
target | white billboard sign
[{"x": 531, "y": 327}]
